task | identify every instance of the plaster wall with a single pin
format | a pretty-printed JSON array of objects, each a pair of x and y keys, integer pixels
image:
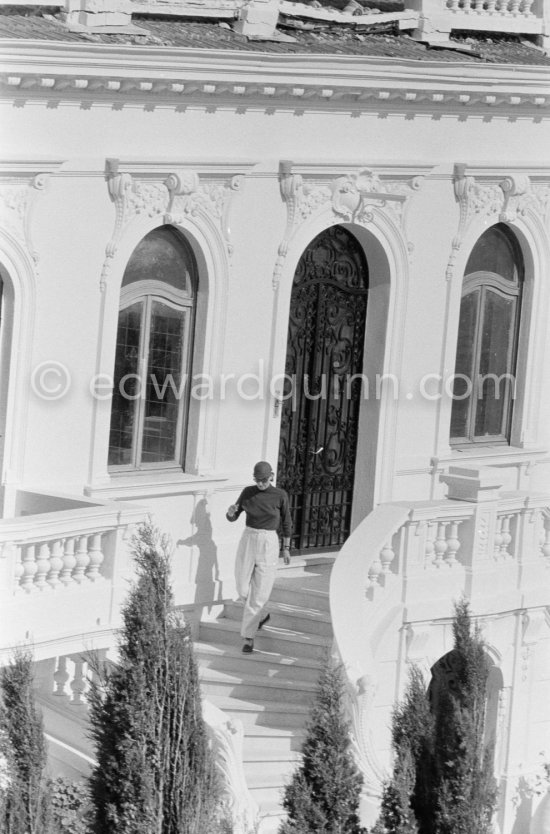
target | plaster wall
[{"x": 74, "y": 221}]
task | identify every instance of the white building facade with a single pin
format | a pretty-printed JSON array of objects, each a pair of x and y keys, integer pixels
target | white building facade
[{"x": 335, "y": 262}]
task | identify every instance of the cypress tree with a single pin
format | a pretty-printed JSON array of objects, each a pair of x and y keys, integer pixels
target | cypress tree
[
  {"x": 25, "y": 807},
  {"x": 465, "y": 788},
  {"x": 323, "y": 795},
  {"x": 442, "y": 780},
  {"x": 407, "y": 793},
  {"x": 154, "y": 774}
]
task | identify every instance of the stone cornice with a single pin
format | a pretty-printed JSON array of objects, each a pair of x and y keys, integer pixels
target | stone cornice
[{"x": 169, "y": 76}]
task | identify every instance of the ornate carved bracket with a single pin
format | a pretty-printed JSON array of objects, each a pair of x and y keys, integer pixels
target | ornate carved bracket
[
  {"x": 361, "y": 696},
  {"x": 17, "y": 202},
  {"x": 497, "y": 199},
  {"x": 226, "y": 737},
  {"x": 182, "y": 194},
  {"x": 355, "y": 197}
]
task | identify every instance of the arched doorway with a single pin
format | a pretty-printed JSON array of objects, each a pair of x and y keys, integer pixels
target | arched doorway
[{"x": 323, "y": 388}]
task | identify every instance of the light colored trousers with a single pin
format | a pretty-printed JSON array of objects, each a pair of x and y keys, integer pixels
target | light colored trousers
[{"x": 255, "y": 570}]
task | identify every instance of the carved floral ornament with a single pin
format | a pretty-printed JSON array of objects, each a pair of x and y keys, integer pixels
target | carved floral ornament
[
  {"x": 495, "y": 199},
  {"x": 183, "y": 194},
  {"x": 356, "y": 197},
  {"x": 17, "y": 201}
]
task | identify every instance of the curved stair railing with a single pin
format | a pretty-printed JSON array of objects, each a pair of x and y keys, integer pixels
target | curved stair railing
[
  {"x": 226, "y": 737},
  {"x": 407, "y": 562}
]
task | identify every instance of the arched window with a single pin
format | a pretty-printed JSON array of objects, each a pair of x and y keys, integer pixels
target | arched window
[
  {"x": 486, "y": 356},
  {"x": 153, "y": 354}
]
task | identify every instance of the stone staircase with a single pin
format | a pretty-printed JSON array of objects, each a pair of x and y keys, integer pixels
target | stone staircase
[{"x": 271, "y": 690}]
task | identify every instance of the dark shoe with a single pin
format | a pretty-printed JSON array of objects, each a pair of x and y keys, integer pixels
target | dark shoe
[
  {"x": 248, "y": 647},
  {"x": 265, "y": 620}
]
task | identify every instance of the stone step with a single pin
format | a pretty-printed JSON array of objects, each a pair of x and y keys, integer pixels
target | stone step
[
  {"x": 264, "y": 743},
  {"x": 270, "y": 638},
  {"x": 269, "y": 664},
  {"x": 264, "y": 713},
  {"x": 254, "y": 686},
  {"x": 269, "y": 774},
  {"x": 288, "y": 615},
  {"x": 269, "y": 801},
  {"x": 319, "y": 564},
  {"x": 302, "y": 596}
]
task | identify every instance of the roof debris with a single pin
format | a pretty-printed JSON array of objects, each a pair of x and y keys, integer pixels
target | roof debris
[{"x": 315, "y": 28}]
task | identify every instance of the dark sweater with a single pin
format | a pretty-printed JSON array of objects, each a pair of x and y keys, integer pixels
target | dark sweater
[{"x": 265, "y": 509}]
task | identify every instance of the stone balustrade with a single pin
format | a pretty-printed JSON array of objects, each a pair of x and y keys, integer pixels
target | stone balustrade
[
  {"x": 64, "y": 569},
  {"x": 439, "y": 18},
  {"x": 397, "y": 577}
]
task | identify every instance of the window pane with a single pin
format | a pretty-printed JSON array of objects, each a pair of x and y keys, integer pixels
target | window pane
[
  {"x": 464, "y": 369},
  {"x": 494, "y": 253},
  {"x": 162, "y": 255},
  {"x": 165, "y": 388},
  {"x": 126, "y": 387},
  {"x": 495, "y": 363}
]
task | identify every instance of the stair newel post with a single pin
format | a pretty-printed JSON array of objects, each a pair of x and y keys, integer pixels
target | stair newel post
[{"x": 478, "y": 486}]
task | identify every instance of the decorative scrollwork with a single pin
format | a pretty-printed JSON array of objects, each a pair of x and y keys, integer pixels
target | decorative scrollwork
[
  {"x": 355, "y": 197},
  {"x": 503, "y": 199},
  {"x": 182, "y": 194},
  {"x": 321, "y": 404},
  {"x": 17, "y": 201}
]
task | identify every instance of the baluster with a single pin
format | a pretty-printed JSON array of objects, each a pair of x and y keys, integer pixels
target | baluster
[
  {"x": 452, "y": 5},
  {"x": 61, "y": 676},
  {"x": 506, "y": 537},
  {"x": 69, "y": 562},
  {"x": 514, "y": 6},
  {"x": 386, "y": 557},
  {"x": 478, "y": 5},
  {"x": 82, "y": 559},
  {"x": 29, "y": 567},
  {"x": 78, "y": 683},
  {"x": 526, "y": 6},
  {"x": 96, "y": 677},
  {"x": 440, "y": 543},
  {"x": 497, "y": 544},
  {"x": 453, "y": 543},
  {"x": 545, "y": 546},
  {"x": 374, "y": 573},
  {"x": 18, "y": 569},
  {"x": 502, "y": 6},
  {"x": 491, "y": 5},
  {"x": 56, "y": 564},
  {"x": 429, "y": 550},
  {"x": 42, "y": 566},
  {"x": 96, "y": 557}
]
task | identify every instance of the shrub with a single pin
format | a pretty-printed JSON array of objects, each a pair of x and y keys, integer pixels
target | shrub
[
  {"x": 154, "y": 774},
  {"x": 323, "y": 795},
  {"x": 442, "y": 779},
  {"x": 25, "y": 807}
]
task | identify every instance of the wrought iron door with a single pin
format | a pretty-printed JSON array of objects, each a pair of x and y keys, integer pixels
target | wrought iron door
[{"x": 320, "y": 410}]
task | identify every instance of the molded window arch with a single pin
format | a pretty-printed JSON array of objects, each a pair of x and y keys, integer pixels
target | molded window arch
[
  {"x": 487, "y": 346},
  {"x": 154, "y": 351}
]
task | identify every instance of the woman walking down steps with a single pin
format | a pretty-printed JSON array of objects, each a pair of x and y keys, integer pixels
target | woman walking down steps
[{"x": 267, "y": 510}]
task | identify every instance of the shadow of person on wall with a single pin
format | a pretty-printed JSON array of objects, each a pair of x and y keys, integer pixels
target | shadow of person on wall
[
  {"x": 524, "y": 807},
  {"x": 207, "y": 573}
]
